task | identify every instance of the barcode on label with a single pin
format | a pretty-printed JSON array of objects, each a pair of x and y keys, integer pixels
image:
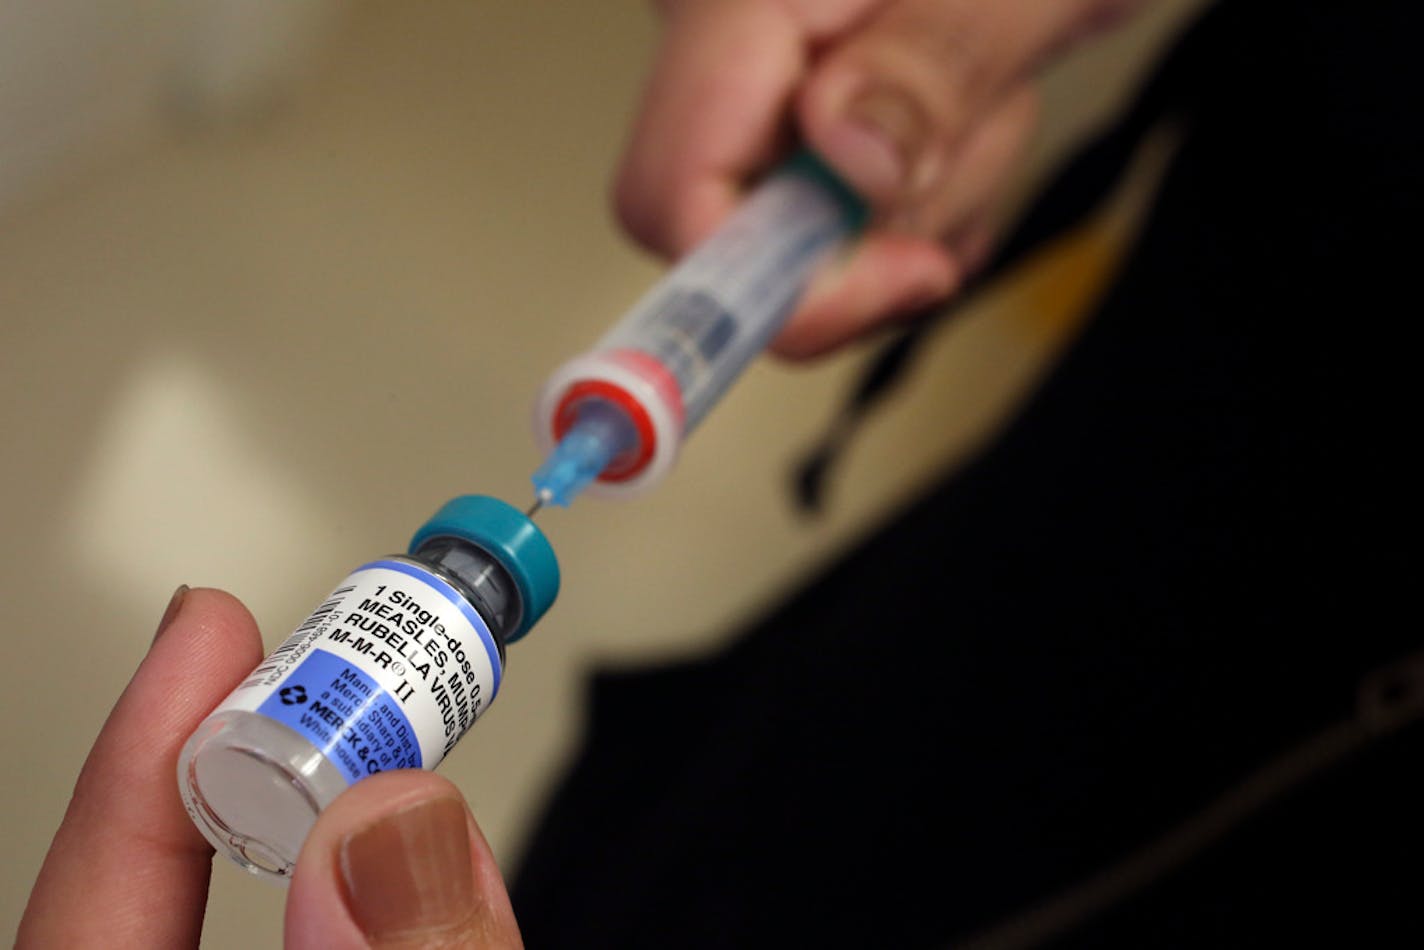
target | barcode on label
[{"x": 277, "y": 657}]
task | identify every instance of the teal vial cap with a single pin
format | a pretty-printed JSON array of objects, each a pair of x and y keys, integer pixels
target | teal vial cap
[{"x": 512, "y": 538}]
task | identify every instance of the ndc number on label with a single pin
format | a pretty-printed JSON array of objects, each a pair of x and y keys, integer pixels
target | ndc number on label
[{"x": 278, "y": 658}]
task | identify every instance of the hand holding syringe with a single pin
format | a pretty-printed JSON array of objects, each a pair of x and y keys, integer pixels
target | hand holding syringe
[{"x": 612, "y": 420}]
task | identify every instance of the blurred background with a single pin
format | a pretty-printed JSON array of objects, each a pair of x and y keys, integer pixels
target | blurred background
[{"x": 277, "y": 279}]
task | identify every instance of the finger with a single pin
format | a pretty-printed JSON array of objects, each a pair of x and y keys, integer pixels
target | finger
[
  {"x": 397, "y": 861},
  {"x": 973, "y": 182},
  {"x": 127, "y": 868},
  {"x": 973, "y": 244},
  {"x": 893, "y": 274},
  {"x": 887, "y": 277},
  {"x": 888, "y": 106},
  {"x": 714, "y": 110}
]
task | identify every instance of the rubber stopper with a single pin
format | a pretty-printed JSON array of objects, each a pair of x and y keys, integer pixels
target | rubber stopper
[{"x": 511, "y": 538}]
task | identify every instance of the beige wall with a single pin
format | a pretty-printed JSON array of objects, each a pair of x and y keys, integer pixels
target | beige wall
[
  {"x": 254, "y": 355},
  {"x": 83, "y": 84}
]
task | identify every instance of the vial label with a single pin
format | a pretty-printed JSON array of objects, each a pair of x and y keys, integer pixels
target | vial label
[
  {"x": 359, "y": 726},
  {"x": 388, "y": 673}
]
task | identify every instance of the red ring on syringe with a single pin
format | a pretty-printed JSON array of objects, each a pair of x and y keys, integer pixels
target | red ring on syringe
[
  {"x": 656, "y": 375},
  {"x": 650, "y": 371},
  {"x": 624, "y": 467}
]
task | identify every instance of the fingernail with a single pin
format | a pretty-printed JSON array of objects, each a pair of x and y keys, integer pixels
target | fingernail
[
  {"x": 878, "y": 141},
  {"x": 409, "y": 874},
  {"x": 170, "y": 613}
]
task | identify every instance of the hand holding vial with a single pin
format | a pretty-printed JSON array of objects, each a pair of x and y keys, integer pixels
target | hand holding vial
[{"x": 396, "y": 860}]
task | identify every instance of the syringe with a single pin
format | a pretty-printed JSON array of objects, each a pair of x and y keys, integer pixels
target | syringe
[
  {"x": 612, "y": 420},
  {"x": 261, "y": 767}
]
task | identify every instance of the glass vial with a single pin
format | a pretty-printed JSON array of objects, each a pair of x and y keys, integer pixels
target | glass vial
[{"x": 388, "y": 672}]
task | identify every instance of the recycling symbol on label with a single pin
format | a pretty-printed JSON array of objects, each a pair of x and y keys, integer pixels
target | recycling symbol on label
[{"x": 293, "y": 695}]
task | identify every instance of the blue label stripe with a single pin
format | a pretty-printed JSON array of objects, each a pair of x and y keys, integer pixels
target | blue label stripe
[
  {"x": 441, "y": 587},
  {"x": 339, "y": 708}
]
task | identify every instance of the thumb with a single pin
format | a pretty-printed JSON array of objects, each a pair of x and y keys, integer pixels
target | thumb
[
  {"x": 889, "y": 103},
  {"x": 397, "y": 861}
]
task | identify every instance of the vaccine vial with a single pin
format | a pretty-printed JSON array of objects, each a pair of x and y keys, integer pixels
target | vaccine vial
[{"x": 388, "y": 672}]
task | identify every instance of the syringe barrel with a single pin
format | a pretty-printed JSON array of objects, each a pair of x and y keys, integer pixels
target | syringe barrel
[
  {"x": 675, "y": 354},
  {"x": 723, "y": 303}
]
